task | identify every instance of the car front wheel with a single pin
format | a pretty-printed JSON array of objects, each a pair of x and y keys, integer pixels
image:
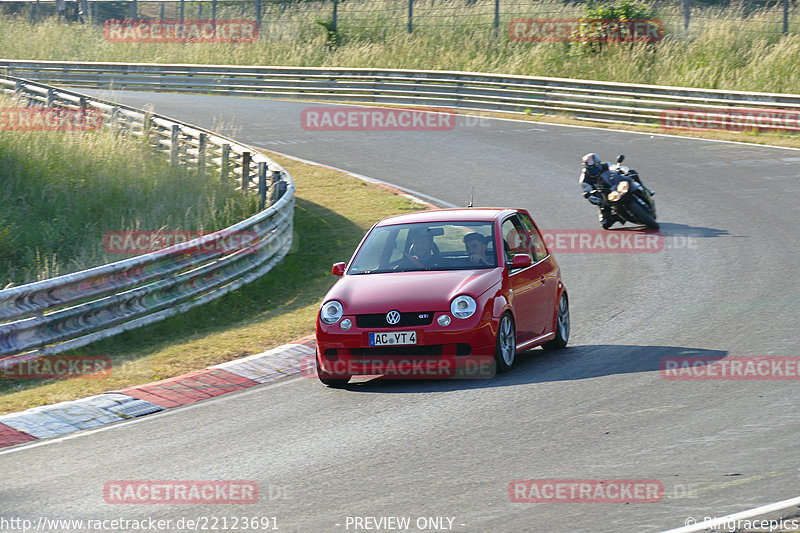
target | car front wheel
[{"x": 506, "y": 346}]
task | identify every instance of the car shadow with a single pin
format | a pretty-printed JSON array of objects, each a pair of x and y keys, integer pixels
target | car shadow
[{"x": 539, "y": 366}]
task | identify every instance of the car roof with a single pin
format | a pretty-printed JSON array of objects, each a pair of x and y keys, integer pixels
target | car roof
[{"x": 470, "y": 214}]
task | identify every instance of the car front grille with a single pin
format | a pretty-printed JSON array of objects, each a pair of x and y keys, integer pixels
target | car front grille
[{"x": 407, "y": 320}]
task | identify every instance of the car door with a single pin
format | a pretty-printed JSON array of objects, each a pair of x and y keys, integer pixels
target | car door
[
  {"x": 544, "y": 268},
  {"x": 526, "y": 283}
]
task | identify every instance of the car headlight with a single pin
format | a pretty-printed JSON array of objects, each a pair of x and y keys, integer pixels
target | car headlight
[
  {"x": 463, "y": 306},
  {"x": 613, "y": 196},
  {"x": 622, "y": 187},
  {"x": 331, "y": 312}
]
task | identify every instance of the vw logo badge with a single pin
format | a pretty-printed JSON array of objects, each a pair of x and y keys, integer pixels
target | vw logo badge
[{"x": 393, "y": 317}]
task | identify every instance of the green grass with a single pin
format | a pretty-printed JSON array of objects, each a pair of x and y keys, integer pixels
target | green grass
[
  {"x": 333, "y": 212},
  {"x": 723, "y": 48},
  {"x": 61, "y": 192}
]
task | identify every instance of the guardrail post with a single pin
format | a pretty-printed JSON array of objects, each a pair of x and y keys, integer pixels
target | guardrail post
[
  {"x": 213, "y": 10},
  {"x": 410, "y": 16},
  {"x": 686, "y": 14},
  {"x": 246, "y": 156},
  {"x": 51, "y": 96},
  {"x": 786, "y": 17},
  {"x": 173, "y": 145},
  {"x": 115, "y": 120},
  {"x": 258, "y": 12},
  {"x": 83, "y": 11},
  {"x": 262, "y": 184},
  {"x": 147, "y": 125},
  {"x": 223, "y": 165},
  {"x": 183, "y": 3},
  {"x": 274, "y": 180},
  {"x": 279, "y": 187},
  {"x": 201, "y": 154},
  {"x": 496, "y": 18},
  {"x": 134, "y": 9}
]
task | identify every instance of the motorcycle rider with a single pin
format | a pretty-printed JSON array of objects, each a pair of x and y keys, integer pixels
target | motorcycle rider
[{"x": 593, "y": 168}]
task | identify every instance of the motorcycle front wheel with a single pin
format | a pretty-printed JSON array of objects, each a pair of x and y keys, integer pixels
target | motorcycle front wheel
[{"x": 641, "y": 215}]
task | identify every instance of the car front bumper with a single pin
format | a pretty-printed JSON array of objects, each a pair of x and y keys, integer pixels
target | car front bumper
[{"x": 463, "y": 349}]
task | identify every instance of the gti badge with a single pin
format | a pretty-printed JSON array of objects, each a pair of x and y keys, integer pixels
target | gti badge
[{"x": 393, "y": 317}]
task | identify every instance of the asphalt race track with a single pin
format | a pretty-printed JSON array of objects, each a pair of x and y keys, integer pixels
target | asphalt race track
[{"x": 725, "y": 283}]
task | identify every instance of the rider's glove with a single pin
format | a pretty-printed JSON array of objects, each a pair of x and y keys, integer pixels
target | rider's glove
[{"x": 595, "y": 200}]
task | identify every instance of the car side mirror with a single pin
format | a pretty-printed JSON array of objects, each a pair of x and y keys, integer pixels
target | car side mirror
[
  {"x": 338, "y": 268},
  {"x": 521, "y": 261}
]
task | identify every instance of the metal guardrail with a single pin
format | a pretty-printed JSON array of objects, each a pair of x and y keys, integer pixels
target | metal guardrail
[
  {"x": 72, "y": 310},
  {"x": 582, "y": 99}
]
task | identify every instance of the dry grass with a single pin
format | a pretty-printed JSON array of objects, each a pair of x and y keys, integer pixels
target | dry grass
[{"x": 723, "y": 49}]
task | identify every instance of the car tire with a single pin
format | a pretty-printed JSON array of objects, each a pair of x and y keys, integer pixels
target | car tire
[
  {"x": 331, "y": 380},
  {"x": 562, "y": 325},
  {"x": 506, "y": 344}
]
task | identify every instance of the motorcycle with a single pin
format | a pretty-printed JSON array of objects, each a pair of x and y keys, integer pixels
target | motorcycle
[{"x": 626, "y": 199}]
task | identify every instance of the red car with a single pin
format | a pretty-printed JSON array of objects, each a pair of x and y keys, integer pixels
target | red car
[{"x": 440, "y": 293}]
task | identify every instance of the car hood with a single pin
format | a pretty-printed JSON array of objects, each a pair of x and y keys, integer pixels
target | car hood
[{"x": 410, "y": 291}]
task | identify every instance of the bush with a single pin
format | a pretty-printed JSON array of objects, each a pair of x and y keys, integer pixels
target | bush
[{"x": 607, "y": 22}]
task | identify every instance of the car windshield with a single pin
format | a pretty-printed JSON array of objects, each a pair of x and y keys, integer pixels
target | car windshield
[{"x": 427, "y": 246}]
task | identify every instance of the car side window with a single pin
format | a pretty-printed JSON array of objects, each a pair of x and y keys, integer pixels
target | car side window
[
  {"x": 537, "y": 243},
  {"x": 515, "y": 239}
]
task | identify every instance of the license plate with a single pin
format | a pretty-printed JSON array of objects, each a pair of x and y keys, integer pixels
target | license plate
[{"x": 393, "y": 338}]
